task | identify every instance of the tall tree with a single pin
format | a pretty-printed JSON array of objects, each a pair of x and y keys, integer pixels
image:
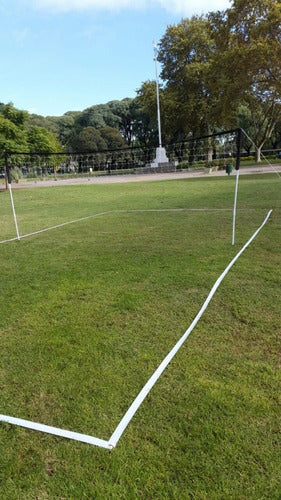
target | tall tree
[
  {"x": 260, "y": 118},
  {"x": 275, "y": 140},
  {"x": 248, "y": 36},
  {"x": 12, "y": 128},
  {"x": 88, "y": 140},
  {"x": 145, "y": 126},
  {"x": 126, "y": 111},
  {"x": 12, "y": 137},
  {"x": 186, "y": 53},
  {"x": 16, "y": 116},
  {"x": 42, "y": 140},
  {"x": 112, "y": 137}
]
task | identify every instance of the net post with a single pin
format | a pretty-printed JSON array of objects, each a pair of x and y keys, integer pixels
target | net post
[
  {"x": 238, "y": 147},
  {"x": 7, "y": 171},
  {"x": 9, "y": 185},
  {"x": 237, "y": 168}
]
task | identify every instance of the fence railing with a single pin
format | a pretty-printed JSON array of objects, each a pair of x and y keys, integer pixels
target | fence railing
[{"x": 217, "y": 149}]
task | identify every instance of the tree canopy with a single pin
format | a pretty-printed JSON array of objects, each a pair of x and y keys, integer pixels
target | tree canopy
[
  {"x": 248, "y": 37},
  {"x": 218, "y": 70}
]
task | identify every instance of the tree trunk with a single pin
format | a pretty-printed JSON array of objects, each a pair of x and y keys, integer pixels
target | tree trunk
[
  {"x": 258, "y": 153},
  {"x": 210, "y": 153},
  {"x": 210, "y": 146}
]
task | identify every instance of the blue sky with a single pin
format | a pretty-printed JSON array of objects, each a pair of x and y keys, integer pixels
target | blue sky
[{"x": 62, "y": 55}]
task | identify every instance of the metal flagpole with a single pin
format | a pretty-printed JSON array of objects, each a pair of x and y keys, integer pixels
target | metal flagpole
[{"x": 157, "y": 94}]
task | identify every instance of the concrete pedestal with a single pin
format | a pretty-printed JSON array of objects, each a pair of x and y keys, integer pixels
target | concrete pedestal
[{"x": 161, "y": 157}]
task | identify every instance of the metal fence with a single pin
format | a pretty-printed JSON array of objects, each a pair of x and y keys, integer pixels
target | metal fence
[{"x": 217, "y": 149}]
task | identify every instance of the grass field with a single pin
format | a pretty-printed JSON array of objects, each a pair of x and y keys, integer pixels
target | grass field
[{"x": 89, "y": 310}]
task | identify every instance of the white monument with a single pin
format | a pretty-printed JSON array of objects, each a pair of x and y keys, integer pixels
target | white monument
[{"x": 161, "y": 156}]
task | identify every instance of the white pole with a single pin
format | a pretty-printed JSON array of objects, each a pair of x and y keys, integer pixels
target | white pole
[
  {"x": 235, "y": 205},
  {"x": 157, "y": 94},
  {"x": 14, "y": 212}
]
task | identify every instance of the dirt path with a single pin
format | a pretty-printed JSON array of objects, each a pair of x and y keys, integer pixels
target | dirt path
[{"x": 111, "y": 179}]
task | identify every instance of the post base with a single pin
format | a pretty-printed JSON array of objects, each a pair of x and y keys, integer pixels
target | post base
[{"x": 161, "y": 157}]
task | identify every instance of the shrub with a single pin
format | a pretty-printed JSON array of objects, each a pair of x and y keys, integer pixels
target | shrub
[
  {"x": 16, "y": 174},
  {"x": 184, "y": 164},
  {"x": 247, "y": 158}
]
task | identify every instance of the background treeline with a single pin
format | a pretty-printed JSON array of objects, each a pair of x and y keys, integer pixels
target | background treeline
[{"x": 219, "y": 71}]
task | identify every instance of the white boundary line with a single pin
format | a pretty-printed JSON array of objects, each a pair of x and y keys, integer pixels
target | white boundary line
[
  {"x": 153, "y": 379},
  {"x": 84, "y": 438},
  {"x": 113, "y": 440},
  {"x": 118, "y": 212},
  {"x": 58, "y": 225}
]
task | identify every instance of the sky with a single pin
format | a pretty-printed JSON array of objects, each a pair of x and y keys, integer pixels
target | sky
[{"x": 67, "y": 55}]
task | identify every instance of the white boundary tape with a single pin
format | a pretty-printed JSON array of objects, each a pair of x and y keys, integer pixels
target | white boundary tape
[
  {"x": 84, "y": 438},
  {"x": 57, "y": 226},
  {"x": 113, "y": 440},
  {"x": 118, "y": 212}
]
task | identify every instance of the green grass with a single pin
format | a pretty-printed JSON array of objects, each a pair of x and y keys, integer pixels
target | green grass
[
  {"x": 263, "y": 163},
  {"x": 89, "y": 310}
]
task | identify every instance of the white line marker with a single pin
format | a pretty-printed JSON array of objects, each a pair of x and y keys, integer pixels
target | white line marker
[
  {"x": 112, "y": 442},
  {"x": 118, "y": 212},
  {"x": 59, "y": 225},
  {"x": 150, "y": 383},
  {"x": 84, "y": 438}
]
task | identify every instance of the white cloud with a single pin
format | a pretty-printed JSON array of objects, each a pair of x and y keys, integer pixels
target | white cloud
[
  {"x": 183, "y": 7},
  {"x": 187, "y": 7},
  {"x": 68, "y": 5}
]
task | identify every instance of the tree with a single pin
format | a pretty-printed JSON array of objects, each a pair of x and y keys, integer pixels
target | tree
[
  {"x": 254, "y": 38},
  {"x": 61, "y": 126},
  {"x": 262, "y": 118},
  {"x": 125, "y": 111},
  {"x": 65, "y": 126},
  {"x": 186, "y": 53},
  {"x": 275, "y": 140},
  {"x": 112, "y": 137},
  {"x": 16, "y": 116},
  {"x": 12, "y": 131},
  {"x": 42, "y": 140},
  {"x": 115, "y": 114},
  {"x": 244, "y": 121},
  {"x": 18, "y": 135},
  {"x": 88, "y": 140},
  {"x": 249, "y": 39},
  {"x": 97, "y": 116},
  {"x": 145, "y": 127},
  {"x": 12, "y": 137}
]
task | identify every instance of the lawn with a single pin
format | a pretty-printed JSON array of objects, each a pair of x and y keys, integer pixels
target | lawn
[{"x": 89, "y": 310}]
